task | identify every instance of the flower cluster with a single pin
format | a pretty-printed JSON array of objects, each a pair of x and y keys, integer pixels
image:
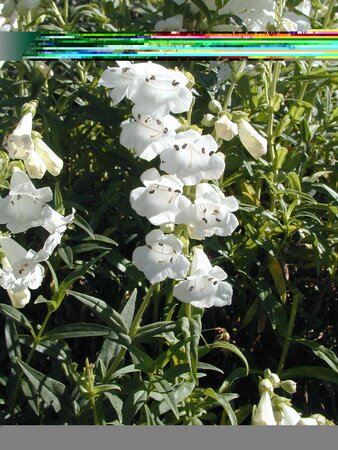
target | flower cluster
[
  {"x": 26, "y": 207},
  {"x": 273, "y": 409},
  {"x": 185, "y": 194}
]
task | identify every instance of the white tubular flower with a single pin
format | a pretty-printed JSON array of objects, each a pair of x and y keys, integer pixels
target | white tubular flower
[
  {"x": 19, "y": 299},
  {"x": 210, "y": 214},
  {"x": 288, "y": 25},
  {"x": 225, "y": 129},
  {"x": 192, "y": 158},
  {"x": 255, "y": 16},
  {"x": 254, "y": 142},
  {"x": 28, "y": 146},
  {"x": 23, "y": 207},
  {"x": 25, "y": 270},
  {"x": 174, "y": 23},
  {"x": 123, "y": 81},
  {"x": 161, "y": 257},
  {"x": 263, "y": 413},
  {"x": 161, "y": 199},
  {"x": 148, "y": 136},
  {"x": 54, "y": 222},
  {"x": 19, "y": 144},
  {"x": 289, "y": 416},
  {"x": 50, "y": 160},
  {"x": 160, "y": 92},
  {"x": 204, "y": 287}
]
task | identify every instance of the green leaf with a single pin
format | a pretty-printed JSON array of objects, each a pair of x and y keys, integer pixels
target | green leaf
[
  {"x": 191, "y": 330},
  {"x": 12, "y": 340},
  {"x": 116, "y": 403},
  {"x": 273, "y": 308},
  {"x": 56, "y": 350},
  {"x": 127, "y": 314},
  {"x": 82, "y": 223},
  {"x": 149, "y": 331},
  {"x": 66, "y": 253},
  {"x": 222, "y": 344},
  {"x": 202, "y": 7},
  {"x": 320, "y": 373},
  {"x": 76, "y": 330},
  {"x": 320, "y": 351},
  {"x": 106, "y": 313},
  {"x": 166, "y": 390},
  {"x": 222, "y": 400},
  {"x": 51, "y": 391},
  {"x": 17, "y": 316},
  {"x": 78, "y": 273}
]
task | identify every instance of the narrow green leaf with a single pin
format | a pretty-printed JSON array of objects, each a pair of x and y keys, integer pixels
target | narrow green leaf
[
  {"x": 17, "y": 316},
  {"x": 165, "y": 388},
  {"x": 50, "y": 390},
  {"x": 76, "y": 330},
  {"x": 221, "y": 344},
  {"x": 320, "y": 373},
  {"x": 103, "y": 311},
  {"x": 222, "y": 400},
  {"x": 320, "y": 351},
  {"x": 116, "y": 403}
]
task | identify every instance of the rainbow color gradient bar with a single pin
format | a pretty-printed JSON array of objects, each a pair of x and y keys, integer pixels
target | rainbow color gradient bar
[{"x": 316, "y": 44}]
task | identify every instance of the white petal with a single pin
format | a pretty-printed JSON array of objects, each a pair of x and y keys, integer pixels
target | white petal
[
  {"x": 200, "y": 261},
  {"x": 223, "y": 295},
  {"x": 34, "y": 165},
  {"x": 154, "y": 236},
  {"x": 218, "y": 272},
  {"x": 52, "y": 162},
  {"x": 19, "y": 299},
  {"x": 150, "y": 176},
  {"x": 13, "y": 251}
]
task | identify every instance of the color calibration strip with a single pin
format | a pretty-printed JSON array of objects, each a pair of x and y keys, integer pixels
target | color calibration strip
[{"x": 320, "y": 44}]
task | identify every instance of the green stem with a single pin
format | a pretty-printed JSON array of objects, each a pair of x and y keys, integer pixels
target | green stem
[
  {"x": 271, "y": 149},
  {"x": 133, "y": 329},
  {"x": 65, "y": 10},
  {"x": 328, "y": 13},
  {"x": 291, "y": 324},
  {"x": 36, "y": 340}
]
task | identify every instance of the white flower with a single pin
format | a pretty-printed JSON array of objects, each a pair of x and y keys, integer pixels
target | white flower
[
  {"x": 28, "y": 146},
  {"x": 55, "y": 223},
  {"x": 25, "y": 270},
  {"x": 23, "y": 207},
  {"x": 161, "y": 199},
  {"x": 19, "y": 299},
  {"x": 289, "y": 415},
  {"x": 226, "y": 129},
  {"x": 192, "y": 158},
  {"x": 254, "y": 142},
  {"x": 148, "y": 136},
  {"x": 160, "y": 92},
  {"x": 255, "y": 15},
  {"x": 210, "y": 214},
  {"x": 124, "y": 80},
  {"x": 174, "y": 23},
  {"x": 204, "y": 287},
  {"x": 263, "y": 413},
  {"x": 20, "y": 144},
  {"x": 161, "y": 258}
]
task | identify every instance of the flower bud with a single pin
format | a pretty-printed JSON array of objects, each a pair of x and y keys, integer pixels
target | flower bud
[
  {"x": 168, "y": 228},
  {"x": 254, "y": 142},
  {"x": 215, "y": 106},
  {"x": 208, "y": 120},
  {"x": 288, "y": 25},
  {"x": 225, "y": 129},
  {"x": 29, "y": 107},
  {"x": 289, "y": 386},
  {"x": 319, "y": 418},
  {"x": 266, "y": 385},
  {"x": 275, "y": 380},
  {"x": 19, "y": 299},
  {"x": 307, "y": 421},
  {"x": 44, "y": 69},
  {"x": 35, "y": 166},
  {"x": 52, "y": 162}
]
